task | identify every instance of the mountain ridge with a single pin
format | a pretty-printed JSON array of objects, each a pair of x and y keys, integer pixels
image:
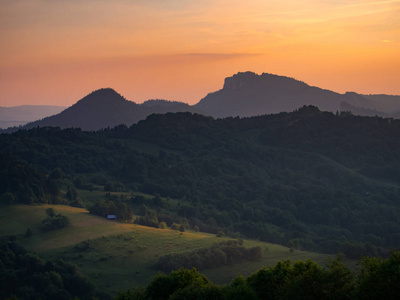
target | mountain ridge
[
  {"x": 269, "y": 93},
  {"x": 244, "y": 94}
]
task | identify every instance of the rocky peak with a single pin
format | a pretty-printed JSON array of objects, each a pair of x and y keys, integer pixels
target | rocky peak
[{"x": 241, "y": 79}]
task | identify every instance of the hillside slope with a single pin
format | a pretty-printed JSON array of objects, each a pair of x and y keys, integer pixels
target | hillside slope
[
  {"x": 315, "y": 180},
  {"x": 116, "y": 255}
]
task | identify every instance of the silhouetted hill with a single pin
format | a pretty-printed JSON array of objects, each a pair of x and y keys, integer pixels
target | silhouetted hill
[
  {"x": 21, "y": 115},
  {"x": 106, "y": 108},
  {"x": 249, "y": 94},
  {"x": 101, "y": 108},
  {"x": 361, "y": 111},
  {"x": 163, "y": 106},
  {"x": 163, "y": 103}
]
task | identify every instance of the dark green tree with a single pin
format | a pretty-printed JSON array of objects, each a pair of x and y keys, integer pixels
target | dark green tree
[{"x": 164, "y": 286}]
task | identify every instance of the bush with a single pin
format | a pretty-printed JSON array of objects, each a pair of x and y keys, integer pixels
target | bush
[
  {"x": 53, "y": 221},
  {"x": 114, "y": 187},
  {"x": 50, "y": 212},
  {"x": 149, "y": 219},
  {"x": 175, "y": 226},
  {"x": 220, "y": 234}
]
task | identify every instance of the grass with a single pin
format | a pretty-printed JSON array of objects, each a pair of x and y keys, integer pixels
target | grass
[{"x": 120, "y": 255}]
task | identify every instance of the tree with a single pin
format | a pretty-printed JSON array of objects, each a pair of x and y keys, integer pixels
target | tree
[
  {"x": 73, "y": 197},
  {"x": 175, "y": 226},
  {"x": 380, "y": 278},
  {"x": 28, "y": 232},
  {"x": 7, "y": 198},
  {"x": 50, "y": 212},
  {"x": 53, "y": 221},
  {"x": 164, "y": 286},
  {"x": 53, "y": 189},
  {"x": 200, "y": 292},
  {"x": 57, "y": 173},
  {"x": 238, "y": 290}
]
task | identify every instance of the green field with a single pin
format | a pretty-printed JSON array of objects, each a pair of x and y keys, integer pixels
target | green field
[{"x": 118, "y": 256}]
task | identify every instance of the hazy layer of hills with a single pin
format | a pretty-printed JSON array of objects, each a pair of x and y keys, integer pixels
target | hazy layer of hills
[
  {"x": 21, "y": 115},
  {"x": 243, "y": 94}
]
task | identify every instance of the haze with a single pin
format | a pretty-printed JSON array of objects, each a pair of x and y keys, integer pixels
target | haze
[{"x": 55, "y": 52}]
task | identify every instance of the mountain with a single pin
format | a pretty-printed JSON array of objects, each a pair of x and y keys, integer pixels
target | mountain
[
  {"x": 249, "y": 94},
  {"x": 106, "y": 108},
  {"x": 21, "y": 115},
  {"x": 244, "y": 94}
]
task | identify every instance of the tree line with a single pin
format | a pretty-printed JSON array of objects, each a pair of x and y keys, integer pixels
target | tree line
[
  {"x": 225, "y": 253},
  {"x": 377, "y": 279}
]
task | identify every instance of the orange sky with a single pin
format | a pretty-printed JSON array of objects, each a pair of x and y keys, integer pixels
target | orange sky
[{"x": 56, "y": 52}]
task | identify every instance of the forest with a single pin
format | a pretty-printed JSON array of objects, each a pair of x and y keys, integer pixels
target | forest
[{"x": 307, "y": 179}]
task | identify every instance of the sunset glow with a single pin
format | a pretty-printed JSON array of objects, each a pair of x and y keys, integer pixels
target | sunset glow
[{"x": 56, "y": 52}]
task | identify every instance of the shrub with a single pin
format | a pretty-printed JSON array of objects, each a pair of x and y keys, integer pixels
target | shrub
[
  {"x": 175, "y": 226},
  {"x": 220, "y": 234},
  {"x": 53, "y": 221}
]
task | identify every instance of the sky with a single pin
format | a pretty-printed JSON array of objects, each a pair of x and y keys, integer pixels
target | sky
[{"x": 56, "y": 52}]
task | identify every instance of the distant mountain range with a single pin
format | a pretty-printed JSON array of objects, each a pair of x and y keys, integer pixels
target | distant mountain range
[
  {"x": 244, "y": 94},
  {"x": 21, "y": 115}
]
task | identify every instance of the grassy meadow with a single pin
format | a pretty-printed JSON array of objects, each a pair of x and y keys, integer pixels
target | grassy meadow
[{"x": 119, "y": 255}]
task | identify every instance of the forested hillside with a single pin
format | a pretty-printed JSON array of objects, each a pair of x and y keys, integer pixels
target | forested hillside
[{"x": 308, "y": 179}]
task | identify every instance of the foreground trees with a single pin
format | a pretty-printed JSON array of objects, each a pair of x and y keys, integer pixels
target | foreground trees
[
  {"x": 27, "y": 276},
  {"x": 24, "y": 275},
  {"x": 377, "y": 279}
]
